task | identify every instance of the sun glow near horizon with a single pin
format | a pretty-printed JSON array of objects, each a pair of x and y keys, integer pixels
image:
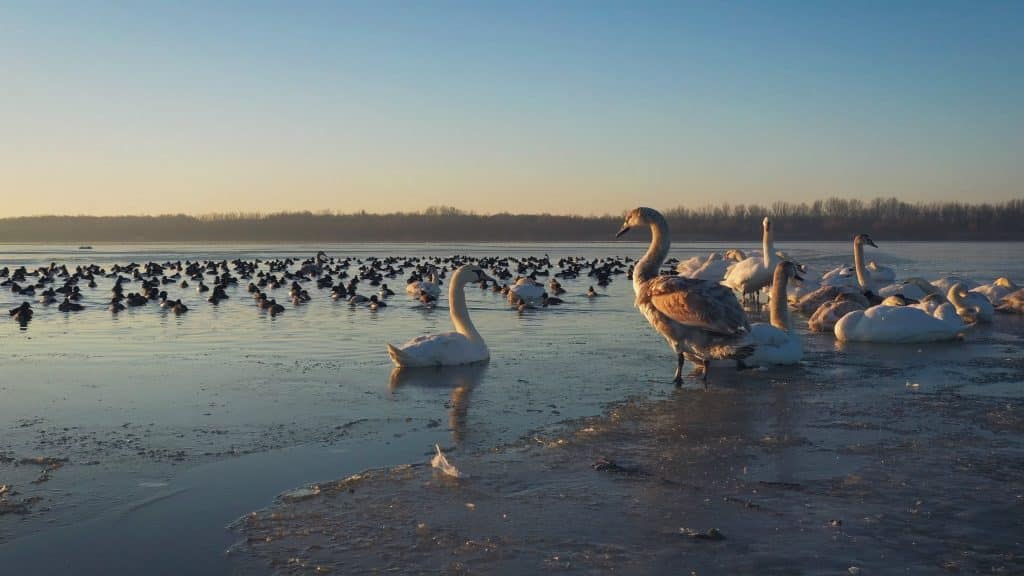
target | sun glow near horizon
[{"x": 572, "y": 108}]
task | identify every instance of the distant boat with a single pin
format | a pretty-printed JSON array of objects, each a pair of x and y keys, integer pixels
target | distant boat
[{"x": 85, "y": 247}]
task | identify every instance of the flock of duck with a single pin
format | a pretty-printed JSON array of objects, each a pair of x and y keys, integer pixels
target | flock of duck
[{"x": 696, "y": 307}]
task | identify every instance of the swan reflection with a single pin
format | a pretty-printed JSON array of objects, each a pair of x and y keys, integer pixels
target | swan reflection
[{"x": 460, "y": 379}]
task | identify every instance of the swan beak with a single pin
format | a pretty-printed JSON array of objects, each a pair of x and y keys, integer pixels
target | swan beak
[
  {"x": 872, "y": 243},
  {"x": 622, "y": 231}
]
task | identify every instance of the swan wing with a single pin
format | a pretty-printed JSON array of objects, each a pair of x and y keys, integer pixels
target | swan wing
[
  {"x": 446, "y": 349},
  {"x": 698, "y": 303}
]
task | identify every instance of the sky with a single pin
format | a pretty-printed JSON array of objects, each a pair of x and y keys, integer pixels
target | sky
[{"x": 589, "y": 107}]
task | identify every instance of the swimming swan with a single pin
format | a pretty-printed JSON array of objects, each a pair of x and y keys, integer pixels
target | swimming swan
[
  {"x": 464, "y": 346},
  {"x": 698, "y": 318}
]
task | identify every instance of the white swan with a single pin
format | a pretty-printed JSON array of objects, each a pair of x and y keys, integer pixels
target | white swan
[
  {"x": 1012, "y": 303},
  {"x": 431, "y": 286},
  {"x": 700, "y": 319},
  {"x": 464, "y": 346},
  {"x": 525, "y": 290},
  {"x": 971, "y": 306},
  {"x": 946, "y": 282},
  {"x": 914, "y": 288},
  {"x": 711, "y": 268},
  {"x": 749, "y": 276},
  {"x": 899, "y": 325},
  {"x": 857, "y": 291},
  {"x": 997, "y": 290},
  {"x": 775, "y": 343}
]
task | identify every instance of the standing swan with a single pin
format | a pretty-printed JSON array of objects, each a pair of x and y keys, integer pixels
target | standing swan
[
  {"x": 750, "y": 275},
  {"x": 464, "y": 346},
  {"x": 699, "y": 318},
  {"x": 775, "y": 343}
]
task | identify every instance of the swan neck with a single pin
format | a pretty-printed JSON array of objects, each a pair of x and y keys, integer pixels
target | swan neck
[
  {"x": 767, "y": 247},
  {"x": 954, "y": 297},
  {"x": 649, "y": 265},
  {"x": 858, "y": 265},
  {"x": 779, "y": 310},
  {"x": 458, "y": 310}
]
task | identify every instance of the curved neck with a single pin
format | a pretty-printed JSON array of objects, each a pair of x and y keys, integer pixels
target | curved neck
[
  {"x": 954, "y": 296},
  {"x": 779, "y": 309},
  {"x": 648, "y": 266},
  {"x": 858, "y": 265},
  {"x": 767, "y": 247},
  {"x": 458, "y": 310}
]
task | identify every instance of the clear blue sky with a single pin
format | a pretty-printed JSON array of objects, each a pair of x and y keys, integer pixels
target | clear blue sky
[{"x": 585, "y": 107}]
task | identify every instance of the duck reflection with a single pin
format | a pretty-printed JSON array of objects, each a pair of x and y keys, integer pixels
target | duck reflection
[{"x": 460, "y": 379}]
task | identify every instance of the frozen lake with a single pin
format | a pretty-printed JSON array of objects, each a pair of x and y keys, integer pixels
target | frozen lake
[{"x": 165, "y": 429}]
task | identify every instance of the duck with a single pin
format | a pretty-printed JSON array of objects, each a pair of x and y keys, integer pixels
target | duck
[
  {"x": 22, "y": 313},
  {"x": 376, "y": 303},
  {"x": 700, "y": 320},
  {"x": 550, "y": 300},
  {"x": 463, "y": 346},
  {"x": 69, "y": 306}
]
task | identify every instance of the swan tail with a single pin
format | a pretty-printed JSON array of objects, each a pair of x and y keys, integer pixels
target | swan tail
[
  {"x": 731, "y": 351},
  {"x": 399, "y": 357}
]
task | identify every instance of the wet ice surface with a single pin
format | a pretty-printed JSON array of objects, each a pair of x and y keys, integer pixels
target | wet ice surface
[
  {"x": 762, "y": 473},
  {"x": 156, "y": 431}
]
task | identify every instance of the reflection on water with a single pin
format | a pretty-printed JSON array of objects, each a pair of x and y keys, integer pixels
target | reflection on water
[
  {"x": 144, "y": 396},
  {"x": 461, "y": 380}
]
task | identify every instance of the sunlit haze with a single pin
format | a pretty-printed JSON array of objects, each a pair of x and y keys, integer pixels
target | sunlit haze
[{"x": 563, "y": 107}]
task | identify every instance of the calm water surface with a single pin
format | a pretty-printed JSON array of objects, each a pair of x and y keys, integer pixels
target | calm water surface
[{"x": 170, "y": 427}]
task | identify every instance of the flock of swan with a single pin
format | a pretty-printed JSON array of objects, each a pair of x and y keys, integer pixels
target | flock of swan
[{"x": 696, "y": 307}]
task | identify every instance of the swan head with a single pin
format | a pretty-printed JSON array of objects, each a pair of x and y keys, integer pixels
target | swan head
[
  {"x": 791, "y": 269},
  {"x": 471, "y": 273},
  {"x": 864, "y": 239},
  {"x": 1004, "y": 282},
  {"x": 639, "y": 216},
  {"x": 766, "y": 224}
]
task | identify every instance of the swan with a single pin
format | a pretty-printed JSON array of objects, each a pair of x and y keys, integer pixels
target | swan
[
  {"x": 828, "y": 314},
  {"x": 711, "y": 268},
  {"x": 526, "y": 290},
  {"x": 946, "y": 282},
  {"x": 1012, "y": 303},
  {"x": 750, "y": 275},
  {"x": 899, "y": 325},
  {"x": 914, "y": 288},
  {"x": 775, "y": 343},
  {"x": 431, "y": 287},
  {"x": 997, "y": 290},
  {"x": 464, "y": 346},
  {"x": 859, "y": 292},
  {"x": 971, "y": 306},
  {"x": 700, "y": 319}
]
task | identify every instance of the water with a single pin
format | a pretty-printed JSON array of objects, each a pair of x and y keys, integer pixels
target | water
[{"x": 173, "y": 426}]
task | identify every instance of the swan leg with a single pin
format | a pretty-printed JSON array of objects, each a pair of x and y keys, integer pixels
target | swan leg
[{"x": 678, "y": 380}]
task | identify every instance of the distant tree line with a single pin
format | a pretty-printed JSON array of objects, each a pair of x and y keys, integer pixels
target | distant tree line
[{"x": 832, "y": 219}]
